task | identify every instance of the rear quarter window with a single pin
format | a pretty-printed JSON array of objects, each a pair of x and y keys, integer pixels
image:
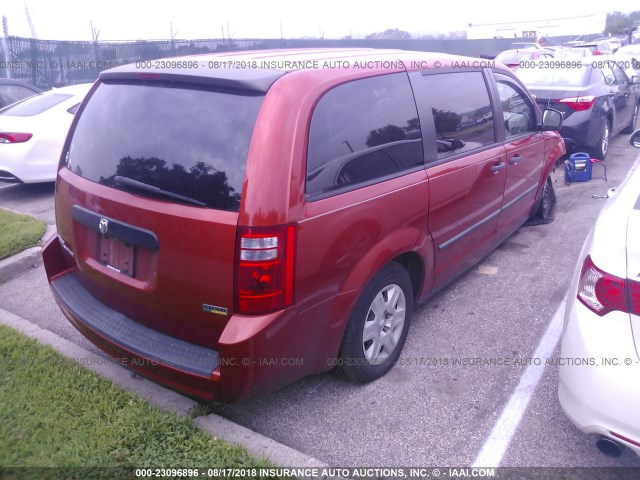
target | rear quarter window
[
  {"x": 363, "y": 132},
  {"x": 35, "y": 105},
  {"x": 186, "y": 140},
  {"x": 13, "y": 93}
]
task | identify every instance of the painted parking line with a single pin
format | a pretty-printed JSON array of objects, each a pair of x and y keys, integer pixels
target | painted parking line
[{"x": 498, "y": 442}]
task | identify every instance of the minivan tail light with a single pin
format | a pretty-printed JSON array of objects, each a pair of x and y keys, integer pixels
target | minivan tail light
[
  {"x": 601, "y": 292},
  {"x": 14, "y": 137},
  {"x": 264, "y": 270},
  {"x": 579, "y": 103}
]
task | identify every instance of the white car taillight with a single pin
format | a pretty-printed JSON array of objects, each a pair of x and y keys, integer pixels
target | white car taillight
[
  {"x": 600, "y": 291},
  {"x": 14, "y": 137},
  {"x": 579, "y": 104}
]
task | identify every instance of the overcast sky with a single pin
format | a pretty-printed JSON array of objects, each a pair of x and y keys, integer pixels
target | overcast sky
[{"x": 193, "y": 19}]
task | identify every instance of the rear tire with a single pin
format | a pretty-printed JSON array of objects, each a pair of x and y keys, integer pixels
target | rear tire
[
  {"x": 378, "y": 326},
  {"x": 602, "y": 147}
]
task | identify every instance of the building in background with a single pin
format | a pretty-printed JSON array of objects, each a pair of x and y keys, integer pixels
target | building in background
[{"x": 542, "y": 28}]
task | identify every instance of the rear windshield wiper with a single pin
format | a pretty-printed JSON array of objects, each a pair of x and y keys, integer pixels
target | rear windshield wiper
[{"x": 129, "y": 182}]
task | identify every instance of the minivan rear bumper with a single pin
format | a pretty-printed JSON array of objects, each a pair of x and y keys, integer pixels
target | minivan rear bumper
[{"x": 255, "y": 355}]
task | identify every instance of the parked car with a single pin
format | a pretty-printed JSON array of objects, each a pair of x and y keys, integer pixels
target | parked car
[
  {"x": 528, "y": 46},
  {"x": 12, "y": 91},
  {"x": 597, "y": 100},
  {"x": 512, "y": 58},
  {"x": 632, "y": 50},
  {"x": 628, "y": 63},
  {"x": 598, "y": 387},
  {"x": 583, "y": 39},
  {"x": 226, "y": 231},
  {"x": 566, "y": 52},
  {"x": 597, "y": 47},
  {"x": 33, "y": 131},
  {"x": 614, "y": 44}
]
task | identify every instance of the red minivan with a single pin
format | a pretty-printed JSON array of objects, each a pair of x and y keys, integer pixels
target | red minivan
[{"x": 229, "y": 224}]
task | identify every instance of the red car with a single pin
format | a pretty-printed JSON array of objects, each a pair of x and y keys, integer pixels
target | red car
[{"x": 229, "y": 224}]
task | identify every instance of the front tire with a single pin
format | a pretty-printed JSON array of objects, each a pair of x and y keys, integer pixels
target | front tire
[
  {"x": 378, "y": 326},
  {"x": 544, "y": 209}
]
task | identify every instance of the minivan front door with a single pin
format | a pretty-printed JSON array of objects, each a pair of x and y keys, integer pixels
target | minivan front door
[
  {"x": 524, "y": 146},
  {"x": 466, "y": 167}
]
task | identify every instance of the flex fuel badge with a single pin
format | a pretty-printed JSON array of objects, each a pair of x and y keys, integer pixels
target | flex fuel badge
[{"x": 213, "y": 309}]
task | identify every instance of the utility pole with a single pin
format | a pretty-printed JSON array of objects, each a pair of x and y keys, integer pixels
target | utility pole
[{"x": 172, "y": 35}]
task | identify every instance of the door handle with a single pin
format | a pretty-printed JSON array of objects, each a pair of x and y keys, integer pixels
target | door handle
[
  {"x": 497, "y": 167},
  {"x": 515, "y": 159}
]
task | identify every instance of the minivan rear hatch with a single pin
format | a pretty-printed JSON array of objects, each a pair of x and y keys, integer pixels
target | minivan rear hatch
[{"x": 148, "y": 197}]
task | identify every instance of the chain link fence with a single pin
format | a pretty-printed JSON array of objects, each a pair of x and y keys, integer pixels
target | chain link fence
[{"x": 49, "y": 63}]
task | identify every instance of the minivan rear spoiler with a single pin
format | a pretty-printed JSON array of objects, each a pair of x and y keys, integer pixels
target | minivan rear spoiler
[{"x": 256, "y": 80}]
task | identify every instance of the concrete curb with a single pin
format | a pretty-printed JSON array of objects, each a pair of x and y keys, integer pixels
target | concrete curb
[
  {"x": 18, "y": 263},
  {"x": 163, "y": 398},
  {"x": 258, "y": 445},
  {"x": 26, "y": 259}
]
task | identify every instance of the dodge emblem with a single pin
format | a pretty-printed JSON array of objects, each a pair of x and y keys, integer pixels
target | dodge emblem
[{"x": 104, "y": 226}]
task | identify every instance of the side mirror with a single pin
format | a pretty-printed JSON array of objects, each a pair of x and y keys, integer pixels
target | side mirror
[
  {"x": 551, "y": 119},
  {"x": 634, "y": 140},
  {"x": 635, "y": 80}
]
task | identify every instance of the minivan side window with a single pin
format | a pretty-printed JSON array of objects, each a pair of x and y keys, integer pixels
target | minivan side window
[
  {"x": 363, "y": 132},
  {"x": 517, "y": 111},
  {"x": 461, "y": 111}
]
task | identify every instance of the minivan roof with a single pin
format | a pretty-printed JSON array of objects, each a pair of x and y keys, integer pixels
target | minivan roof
[{"x": 257, "y": 69}]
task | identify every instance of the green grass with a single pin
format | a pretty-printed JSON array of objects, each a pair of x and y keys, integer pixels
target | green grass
[
  {"x": 55, "y": 413},
  {"x": 18, "y": 232}
]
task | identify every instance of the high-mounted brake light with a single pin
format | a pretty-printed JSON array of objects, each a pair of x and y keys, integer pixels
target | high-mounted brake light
[
  {"x": 14, "y": 137},
  {"x": 264, "y": 273},
  {"x": 148, "y": 76},
  {"x": 601, "y": 292},
  {"x": 579, "y": 103}
]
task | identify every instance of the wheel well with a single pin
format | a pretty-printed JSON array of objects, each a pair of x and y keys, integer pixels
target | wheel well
[{"x": 412, "y": 263}]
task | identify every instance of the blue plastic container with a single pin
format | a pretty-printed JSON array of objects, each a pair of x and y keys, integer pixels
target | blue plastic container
[{"x": 578, "y": 168}]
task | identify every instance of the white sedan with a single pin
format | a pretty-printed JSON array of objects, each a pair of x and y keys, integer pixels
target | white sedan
[
  {"x": 600, "y": 373},
  {"x": 33, "y": 131}
]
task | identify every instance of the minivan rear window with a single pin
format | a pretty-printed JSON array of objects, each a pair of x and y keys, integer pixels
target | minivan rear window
[{"x": 187, "y": 144}]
